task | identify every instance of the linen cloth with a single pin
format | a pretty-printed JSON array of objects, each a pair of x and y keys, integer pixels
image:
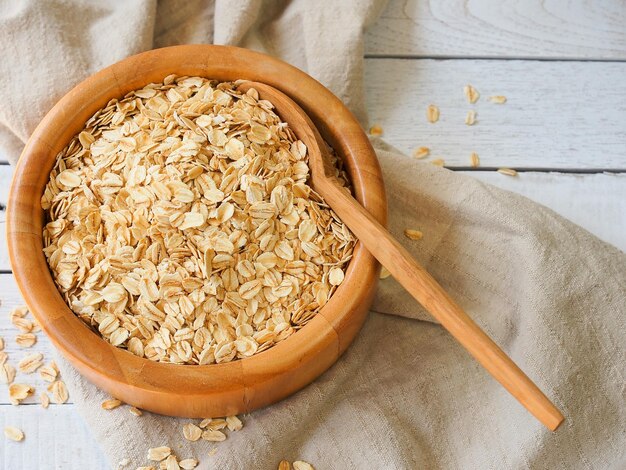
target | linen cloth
[{"x": 404, "y": 395}]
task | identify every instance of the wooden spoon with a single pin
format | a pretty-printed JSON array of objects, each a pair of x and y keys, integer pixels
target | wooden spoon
[{"x": 413, "y": 277}]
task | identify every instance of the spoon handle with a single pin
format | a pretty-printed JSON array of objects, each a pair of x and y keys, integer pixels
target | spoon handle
[{"x": 427, "y": 291}]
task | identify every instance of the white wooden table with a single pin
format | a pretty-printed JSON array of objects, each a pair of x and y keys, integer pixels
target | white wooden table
[{"x": 560, "y": 63}]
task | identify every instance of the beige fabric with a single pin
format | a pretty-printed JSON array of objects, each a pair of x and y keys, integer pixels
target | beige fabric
[{"x": 404, "y": 395}]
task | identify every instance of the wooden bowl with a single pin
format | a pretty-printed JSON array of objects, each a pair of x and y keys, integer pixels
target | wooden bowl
[{"x": 187, "y": 390}]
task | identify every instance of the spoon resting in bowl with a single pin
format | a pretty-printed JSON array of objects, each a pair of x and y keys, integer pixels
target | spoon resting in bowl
[{"x": 413, "y": 277}]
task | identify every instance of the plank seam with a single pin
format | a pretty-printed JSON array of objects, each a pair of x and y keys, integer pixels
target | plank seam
[{"x": 486, "y": 57}]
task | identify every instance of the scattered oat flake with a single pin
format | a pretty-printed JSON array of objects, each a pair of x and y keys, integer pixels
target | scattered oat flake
[
  {"x": 191, "y": 432},
  {"x": 213, "y": 451},
  {"x": 25, "y": 340},
  {"x": 18, "y": 392},
  {"x": 438, "y": 162},
  {"x": 18, "y": 312},
  {"x": 156, "y": 454},
  {"x": 498, "y": 99},
  {"x": 30, "y": 363},
  {"x": 49, "y": 373},
  {"x": 23, "y": 324},
  {"x": 1, "y": 343},
  {"x": 13, "y": 433},
  {"x": 470, "y": 119},
  {"x": 234, "y": 423},
  {"x": 217, "y": 424},
  {"x": 301, "y": 465},
  {"x": 376, "y": 130},
  {"x": 188, "y": 464},
  {"x": 213, "y": 435},
  {"x": 471, "y": 94},
  {"x": 413, "y": 234},
  {"x": 205, "y": 422},
  {"x": 474, "y": 160},
  {"x": 171, "y": 463},
  {"x": 284, "y": 465},
  {"x": 384, "y": 273},
  {"x": 45, "y": 400},
  {"x": 135, "y": 411},
  {"x": 507, "y": 171},
  {"x": 421, "y": 152},
  {"x": 110, "y": 404},
  {"x": 7, "y": 373},
  {"x": 432, "y": 113},
  {"x": 149, "y": 467},
  {"x": 59, "y": 392}
]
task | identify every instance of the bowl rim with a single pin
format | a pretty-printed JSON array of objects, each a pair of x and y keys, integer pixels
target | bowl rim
[{"x": 117, "y": 370}]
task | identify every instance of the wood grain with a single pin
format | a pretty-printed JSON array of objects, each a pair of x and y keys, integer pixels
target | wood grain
[
  {"x": 558, "y": 115},
  {"x": 595, "y": 202},
  {"x": 55, "y": 438},
  {"x": 558, "y": 29}
]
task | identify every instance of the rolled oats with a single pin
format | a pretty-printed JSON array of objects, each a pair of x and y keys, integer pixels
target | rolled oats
[
  {"x": 111, "y": 404},
  {"x": 13, "y": 433},
  {"x": 498, "y": 99},
  {"x": 471, "y": 94},
  {"x": 19, "y": 392},
  {"x": 181, "y": 227},
  {"x": 376, "y": 130},
  {"x": 421, "y": 152},
  {"x": 7, "y": 373},
  {"x": 507, "y": 171},
  {"x": 30, "y": 363},
  {"x": 301, "y": 465},
  {"x": 171, "y": 463},
  {"x": 59, "y": 392},
  {"x": 44, "y": 399},
  {"x": 188, "y": 464},
  {"x": 432, "y": 113},
  {"x": 234, "y": 423},
  {"x": 474, "y": 159},
  {"x": 49, "y": 373},
  {"x": 413, "y": 234},
  {"x": 213, "y": 435},
  {"x": 470, "y": 119},
  {"x": 156, "y": 454},
  {"x": 192, "y": 432},
  {"x": 26, "y": 340},
  {"x": 384, "y": 273}
]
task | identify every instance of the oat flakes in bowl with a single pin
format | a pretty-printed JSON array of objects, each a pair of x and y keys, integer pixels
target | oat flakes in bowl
[
  {"x": 198, "y": 391},
  {"x": 180, "y": 225}
]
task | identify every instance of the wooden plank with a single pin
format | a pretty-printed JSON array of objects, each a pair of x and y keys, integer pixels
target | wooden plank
[
  {"x": 576, "y": 29},
  {"x": 56, "y": 438},
  {"x": 563, "y": 115},
  {"x": 596, "y": 202}
]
